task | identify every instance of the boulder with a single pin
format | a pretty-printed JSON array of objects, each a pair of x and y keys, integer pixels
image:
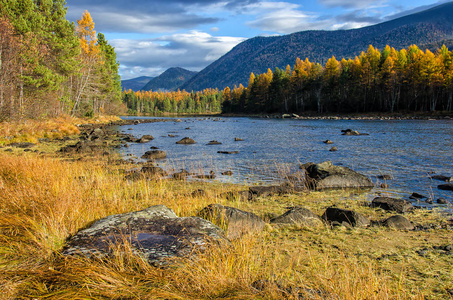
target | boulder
[
  {"x": 349, "y": 217},
  {"x": 154, "y": 154},
  {"x": 186, "y": 141},
  {"x": 441, "y": 201},
  {"x": 180, "y": 175},
  {"x": 214, "y": 142},
  {"x": 352, "y": 132},
  {"x": 391, "y": 204},
  {"x": 385, "y": 177},
  {"x": 153, "y": 171},
  {"x": 333, "y": 149},
  {"x": 397, "y": 222},
  {"x": 447, "y": 186},
  {"x": 155, "y": 233},
  {"x": 227, "y": 173},
  {"x": 417, "y": 196},
  {"x": 236, "y": 139},
  {"x": 328, "y": 142},
  {"x": 235, "y": 221},
  {"x": 325, "y": 175},
  {"x": 145, "y": 139},
  {"x": 299, "y": 216},
  {"x": 442, "y": 178}
]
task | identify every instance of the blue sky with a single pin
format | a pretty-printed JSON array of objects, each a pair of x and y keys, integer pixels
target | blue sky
[{"x": 152, "y": 36}]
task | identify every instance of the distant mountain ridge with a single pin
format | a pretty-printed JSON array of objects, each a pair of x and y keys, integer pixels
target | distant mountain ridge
[
  {"x": 427, "y": 28},
  {"x": 169, "y": 80},
  {"x": 135, "y": 84}
]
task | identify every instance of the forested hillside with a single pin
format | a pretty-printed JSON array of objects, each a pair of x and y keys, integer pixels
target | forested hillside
[
  {"x": 49, "y": 66},
  {"x": 387, "y": 80},
  {"x": 428, "y": 29}
]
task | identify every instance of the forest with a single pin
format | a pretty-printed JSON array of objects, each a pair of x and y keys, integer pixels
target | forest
[
  {"x": 388, "y": 80},
  {"x": 51, "y": 67}
]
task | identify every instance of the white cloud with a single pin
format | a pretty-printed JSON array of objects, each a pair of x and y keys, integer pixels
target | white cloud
[
  {"x": 352, "y": 3},
  {"x": 193, "y": 50}
]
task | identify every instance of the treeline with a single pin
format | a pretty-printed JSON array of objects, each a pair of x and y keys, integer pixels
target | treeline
[
  {"x": 155, "y": 103},
  {"x": 376, "y": 81},
  {"x": 49, "y": 66}
]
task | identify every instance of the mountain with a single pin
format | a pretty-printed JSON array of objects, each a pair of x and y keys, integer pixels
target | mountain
[
  {"x": 256, "y": 55},
  {"x": 169, "y": 80},
  {"x": 135, "y": 84}
]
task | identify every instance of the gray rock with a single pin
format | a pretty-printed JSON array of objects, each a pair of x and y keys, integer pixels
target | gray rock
[
  {"x": 334, "y": 214},
  {"x": 186, "y": 141},
  {"x": 155, "y": 233},
  {"x": 299, "y": 216},
  {"x": 391, "y": 204},
  {"x": 235, "y": 221},
  {"x": 145, "y": 139},
  {"x": 442, "y": 178},
  {"x": 442, "y": 201},
  {"x": 153, "y": 171},
  {"x": 325, "y": 175},
  {"x": 397, "y": 222},
  {"x": 154, "y": 154},
  {"x": 447, "y": 187}
]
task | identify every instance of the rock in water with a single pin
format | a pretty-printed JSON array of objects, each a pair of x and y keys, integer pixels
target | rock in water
[
  {"x": 154, "y": 154},
  {"x": 155, "y": 233},
  {"x": 186, "y": 141},
  {"x": 334, "y": 214},
  {"x": 325, "y": 175},
  {"x": 237, "y": 222},
  {"x": 447, "y": 186}
]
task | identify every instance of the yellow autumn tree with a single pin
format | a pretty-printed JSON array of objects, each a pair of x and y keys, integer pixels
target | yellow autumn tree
[{"x": 90, "y": 58}]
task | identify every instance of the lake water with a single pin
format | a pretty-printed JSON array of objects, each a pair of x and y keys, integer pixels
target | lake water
[{"x": 409, "y": 151}]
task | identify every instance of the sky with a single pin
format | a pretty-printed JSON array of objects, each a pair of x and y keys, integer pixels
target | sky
[{"x": 151, "y": 36}]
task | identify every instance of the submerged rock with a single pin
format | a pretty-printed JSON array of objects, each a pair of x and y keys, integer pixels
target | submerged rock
[
  {"x": 325, "y": 175},
  {"x": 155, "y": 233},
  {"x": 214, "y": 142}
]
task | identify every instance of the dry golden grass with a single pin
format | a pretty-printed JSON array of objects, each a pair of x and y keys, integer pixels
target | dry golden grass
[
  {"x": 43, "y": 201},
  {"x": 32, "y": 130}
]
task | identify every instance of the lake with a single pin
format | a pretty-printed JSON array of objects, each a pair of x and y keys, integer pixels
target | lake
[{"x": 409, "y": 150}]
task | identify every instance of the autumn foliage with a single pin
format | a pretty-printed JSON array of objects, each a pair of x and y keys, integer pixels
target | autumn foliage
[{"x": 50, "y": 67}]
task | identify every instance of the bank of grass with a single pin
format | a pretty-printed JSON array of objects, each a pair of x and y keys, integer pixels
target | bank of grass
[
  {"x": 44, "y": 200},
  {"x": 33, "y": 130}
]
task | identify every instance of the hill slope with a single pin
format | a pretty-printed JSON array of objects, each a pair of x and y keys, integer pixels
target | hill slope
[
  {"x": 135, "y": 84},
  {"x": 170, "y": 80},
  {"x": 260, "y": 53}
]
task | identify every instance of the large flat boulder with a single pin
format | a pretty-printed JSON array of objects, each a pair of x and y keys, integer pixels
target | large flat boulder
[
  {"x": 325, "y": 175},
  {"x": 235, "y": 221},
  {"x": 446, "y": 187},
  {"x": 155, "y": 233}
]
